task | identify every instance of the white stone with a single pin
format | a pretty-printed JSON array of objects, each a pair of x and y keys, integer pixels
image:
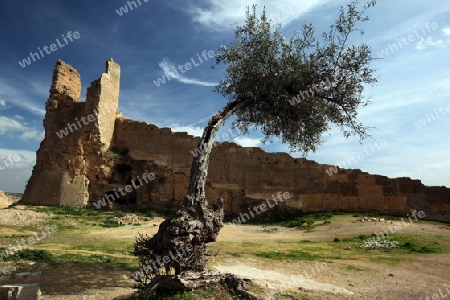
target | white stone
[{"x": 28, "y": 291}]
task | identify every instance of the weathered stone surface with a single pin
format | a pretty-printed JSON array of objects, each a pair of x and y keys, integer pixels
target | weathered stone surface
[
  {"x": 29, "y": 291},
  {"x": 5, "y": 201},
  {"x": 75, "y": 170}
]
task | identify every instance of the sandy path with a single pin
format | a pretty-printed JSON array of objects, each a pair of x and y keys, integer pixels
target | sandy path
[{"x": 281, "y": 281}]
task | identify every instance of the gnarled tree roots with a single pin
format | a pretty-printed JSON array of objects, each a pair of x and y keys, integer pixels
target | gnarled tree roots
[{"x": 191, "y": 280}]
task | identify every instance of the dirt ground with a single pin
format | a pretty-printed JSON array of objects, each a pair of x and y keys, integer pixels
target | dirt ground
[{"x": 416, "y": 277}]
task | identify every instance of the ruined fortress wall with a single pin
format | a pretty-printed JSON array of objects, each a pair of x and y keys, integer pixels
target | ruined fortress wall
[
  {"x": 47, "y": 182},
  {"x": 75, "y": 135},
  {"x": 76, "y": 170},
  {"x": 242, "y": 176},
  {"x": 103, "y": 98}
]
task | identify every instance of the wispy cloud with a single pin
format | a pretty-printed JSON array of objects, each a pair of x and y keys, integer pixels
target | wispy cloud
[
  {"x": 443, "y": 41},
  {"x": 11, "y": 125},
  {"x": 170, "y": 71},
  {"x": 7, "y": 124},
  {"x": 219, "y": 15},
  {"x": 19, "y": 97},
  {"x": 27, "y": 158}
]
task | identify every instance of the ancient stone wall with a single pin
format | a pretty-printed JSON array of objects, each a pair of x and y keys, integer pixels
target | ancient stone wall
[
  {"x": 76, "y": 134},
  {"x": 244, "y": 176},
  {"x": 112, "y": 152},
  {"x": 103, "y": 99}
]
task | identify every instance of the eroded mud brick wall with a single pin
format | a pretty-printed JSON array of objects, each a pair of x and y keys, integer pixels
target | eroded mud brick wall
[
  {"x": 245, "y": 176},
  {"x": 76, "y": 133}
]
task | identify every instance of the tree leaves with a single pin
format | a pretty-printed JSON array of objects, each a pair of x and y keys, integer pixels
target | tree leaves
[{"x": 325, "y": 78}]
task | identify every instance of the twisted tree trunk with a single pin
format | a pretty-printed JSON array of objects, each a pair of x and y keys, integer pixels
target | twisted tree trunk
[{"x": 196, "y": 222}]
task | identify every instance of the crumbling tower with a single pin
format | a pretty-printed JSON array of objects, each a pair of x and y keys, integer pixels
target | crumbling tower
[{"x": 76, "y": 133}]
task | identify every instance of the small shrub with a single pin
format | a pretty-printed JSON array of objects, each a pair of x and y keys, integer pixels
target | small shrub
[
  {"x": 336, "y": 240},
  {"x": 111, "y": 223},
  {"x": 32, "y": 255},
  {"x": 119, "y": 214}
]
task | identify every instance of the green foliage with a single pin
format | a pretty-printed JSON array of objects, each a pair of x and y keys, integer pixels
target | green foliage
[
  {"x": 424, "y": 249},
  {"x": 79, "y": 258},
  {"x": 32, "y": 255},
  {"x": 295, "y": 89},
  {"x": 119, "y": 214},
  {"x": 305, "y": 222},
  {"x": 70, "y": 210},
  {"x": 116, "y": 153},
  {"x": 234, "y": 254},
  {"x": 291, "y": 254},
  {"x": 359, "y": 238},
  {"x": 110, "y": 222}
]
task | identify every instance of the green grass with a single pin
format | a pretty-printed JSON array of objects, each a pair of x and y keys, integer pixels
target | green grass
[
  {"x": 110, "y": 246},
  {"x": 415, "y": 247},
  {"x": 109, "y": 222},
  {"x": 80, "y": 258},
  {"x": 306, "y": 221},
  {"x": 390, "y": 261},
  {"x": 286, "y": 255},
  {"x": 69, "y": 210},
  {"x": 30, "y": 254},
  {"x": 353, "y": 268}
]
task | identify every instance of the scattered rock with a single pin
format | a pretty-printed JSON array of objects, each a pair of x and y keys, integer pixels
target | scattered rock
[
  {"x": 28, "y": 291},
  {"x": 128, "y": 219},
  {"x": 379, "y": 244},
  {"x": 5, "y": 201},
  {"x": 28, "y": 274},
  {"x": 7, "y": 271},
  {"x": 269, "y": 228}
]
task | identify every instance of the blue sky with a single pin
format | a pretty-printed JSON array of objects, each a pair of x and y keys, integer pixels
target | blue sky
[{"x": 412, "y": 36}]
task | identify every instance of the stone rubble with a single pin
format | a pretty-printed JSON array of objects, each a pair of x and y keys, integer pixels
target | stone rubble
[{"x": 379, "y": 244}]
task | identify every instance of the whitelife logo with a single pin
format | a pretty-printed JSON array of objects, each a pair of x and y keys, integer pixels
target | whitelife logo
[
  {"x": 404, "y": 41},
  {"x": 187, "y": 67},
  {"x": 354, "y": 158},
  {"x": 48, "y": 50}
]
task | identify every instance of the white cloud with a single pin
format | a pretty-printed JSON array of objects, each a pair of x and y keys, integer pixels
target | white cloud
[
  {"x": 446, "y": 31},
  {"x": 2, "y": 103},
  {"x": 32, "y": 134},
  {"x": 19, "y": 158},
  {"x": 171, "y": 72},
  {"x": 13, "y": 176},
  {"x": 440, "y": 42},
  {"x": 18, "y": 117},
  {"x": 7, "y": 124},
  {"x": 219, "y": 15},
  {"x": 14, "y": 93},
  {"x": 247, "y": 142},
  {"x": 195, "y": 131},
  {"x": 11, "y": 125}
]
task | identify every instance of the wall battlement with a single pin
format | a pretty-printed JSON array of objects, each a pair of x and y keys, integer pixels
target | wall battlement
[{"x": 79, "y": 170}]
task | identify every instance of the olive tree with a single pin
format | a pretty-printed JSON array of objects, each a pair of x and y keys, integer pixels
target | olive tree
[{"x": 291, "y": 89}]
